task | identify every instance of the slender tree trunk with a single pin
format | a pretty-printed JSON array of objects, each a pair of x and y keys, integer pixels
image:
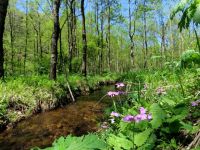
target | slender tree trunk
[
  {"x": 40, "y": 40},
  {"x": 97, "y": 30},
  {"x": 3, "y": 11},
  {"x": 108, "y": 35},
  {"x": 101, "y": 51},
  {"x": 75, "y": 50},
  {"x": 163, "y": 46},
  {"x": 55, "y": 36},
  {"x": 12, "y": 38},
  {"x": 26, "y": 41},
  {"x": 61, "y": 53},
  {"x": 72, "y": 32},
  {"x": 171, "y": 40},
  {"x": 145, "y": 36},
  {"x": 132, "y": 33},
  {"x": 84, "y": 40}
]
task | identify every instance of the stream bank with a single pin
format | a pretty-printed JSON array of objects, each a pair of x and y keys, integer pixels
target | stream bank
[
  {"x": 33, "y": 96},
  {"x": 42, "y": 129}
]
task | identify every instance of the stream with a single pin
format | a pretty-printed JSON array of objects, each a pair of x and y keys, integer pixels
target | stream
[{"x": 42, "y": 129}]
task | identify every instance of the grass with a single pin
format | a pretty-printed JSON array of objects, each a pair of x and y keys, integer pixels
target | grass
[
  {"x": 174, "y": 122},
  {"x": 23, "y": 95}
]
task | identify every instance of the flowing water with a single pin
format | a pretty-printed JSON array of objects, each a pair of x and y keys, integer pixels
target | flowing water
[{"x": 42, "y": 129}]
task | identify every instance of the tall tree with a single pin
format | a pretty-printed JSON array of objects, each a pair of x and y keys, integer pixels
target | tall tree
[
  {"x": 26, "y": 40},
  {"x": 84, "y": 40},
  {"x": 71, "y": 5},
  {"x": 145, "y": 34},
  {"x": 3, "y": 11},
  {"x": 55, "y": 36},
  {"x": 97, "y": 28},
  {"x": 132, "y": 29},
  {"x": 108, "y": 32}
]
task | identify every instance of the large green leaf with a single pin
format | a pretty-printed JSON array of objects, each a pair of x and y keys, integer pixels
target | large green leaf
[
  {"x": 88, "y": 142},
  {"x": 119, "y": 142},
  {"x": 158, "y": 115},
  {"x": 141, "y": 138},
  {"x": 150, "y": 143}
]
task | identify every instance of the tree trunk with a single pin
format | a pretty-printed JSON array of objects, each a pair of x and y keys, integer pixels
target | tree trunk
[
  {"x": 101, "y": 51},
  {"x": 108, "y": 36},
  {"x": 145, "y": 36},
  {"x": 12, "y": 38},
  {"x": 84, "y": 40},
  {"x": 71, "y": 32},
  {"x": 163, "y": 45},
  {"x": 26, "y": 41},
  {"x": 97, "y": 30},
  {"x": 3, "y": 11},
  {"x": 132, "y": 33},
  {"x": 55, "y": 36}
]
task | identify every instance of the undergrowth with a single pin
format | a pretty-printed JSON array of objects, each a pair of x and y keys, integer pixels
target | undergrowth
[
  {"x": 21, "y": 96},
  {"x": 168, "y": 102}
]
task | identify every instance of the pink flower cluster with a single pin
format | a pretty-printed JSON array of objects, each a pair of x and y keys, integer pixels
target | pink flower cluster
[
  {"x": 112, "y": 93},
  {"x": 114, "y": 114},
  {"x": 118, "y": 85},
  {"x": 139, "y": 117},
  {"x": 195, "y": 103},
  {"x": 115, "y": 93}
]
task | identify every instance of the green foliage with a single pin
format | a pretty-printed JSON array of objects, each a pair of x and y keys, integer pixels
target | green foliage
[
  {"x": 158, "y": 116},
  {"x": 190, "y": 57},
  {"x": 191, "y": 11},
  {"x": 87, "y": 142},
  {"x": 171, "y": 112},
  {"x": 26, "y": 94},
  {"x": 141, "y": 138},
  {"x": 119, "y": 142}
]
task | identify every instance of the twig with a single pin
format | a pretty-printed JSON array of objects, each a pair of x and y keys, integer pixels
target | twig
[
  {"x": 195, "y": 143},
  {"x": 100, "y": 100},
  {"x": 70, "y": 91}
]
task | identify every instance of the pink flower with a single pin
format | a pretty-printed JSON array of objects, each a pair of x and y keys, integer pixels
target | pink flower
[
  {"x": 114, "y": 114},
  {"x": 149, "y": 117},
  {"x": 128, "y": 118},
  {"x": 142, "y": 110},
  {"x": 120, "y": 85},
  {"x": 111, "y": 93},
  {"x": 140, "y": 117},
  {"x": 194, "y": 104}
]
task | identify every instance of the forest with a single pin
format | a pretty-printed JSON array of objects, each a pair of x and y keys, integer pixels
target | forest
[{"x": 99, "y": 74}]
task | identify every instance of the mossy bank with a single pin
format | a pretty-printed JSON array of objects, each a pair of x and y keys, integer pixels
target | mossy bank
[{"x": 23, "y": 96}]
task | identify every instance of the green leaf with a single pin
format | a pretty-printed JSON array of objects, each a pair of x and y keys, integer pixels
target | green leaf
[
  {"x": 119, "y": 142},
  {"x": 88, "y": 142},
  {"x": 150, "y": 143},
  {"x": 158, "y": 115},
  {"x": 187, "y": 126},
  {"x": 141, "y": 138}
]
